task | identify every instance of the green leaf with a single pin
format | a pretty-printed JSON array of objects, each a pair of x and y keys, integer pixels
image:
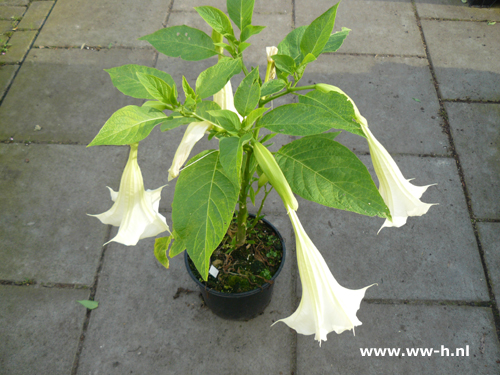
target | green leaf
[
  {"x": 336, "y": 39},
  {"x": 156, "y": 105},
  {"x": 158, "y": 88},
  {"x": 272, "y": 87},
  {"x": 291, "y": 44},
  {"x": 298, "y": 119},
  {"x": 247, "y": 95},
  {"x": 240, "y": 11},
  {"x": 250, "y": 30},
  {"x": 285, "y": 63},
  {"x": 217, "y": 20},
  {"x": 252, "y": 116},
  {"x": 215, "y": 78},
  {"x": 318, "y": 32},
  {"x": 91, "y": 305},
  {"x": 125, "y": 79},
  {"x": 175, "y": 120},
  {"x": 160, "y": 250},
  {"x": 227, "y": 119},
  {"x": 178, "y": 246},
  {"x": 188, "y": 91},
  {"x": 322, "y": 170},
  {"x": 182, "y": 41},
  {"x": 338, "y": 105},
  {"x": 243, "y": 46},
  {"x": 128, "y": 125},
  {"x": 204, "y": 108},
  {"x": 204, "y": 201},
  {"x": 231, "y": 156}
]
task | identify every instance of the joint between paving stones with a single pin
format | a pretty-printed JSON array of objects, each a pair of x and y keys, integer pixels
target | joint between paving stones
[
  {"x": 447, "y": 129},
  {"x": 469, "y": 101},
  {"x": 426, "y": 302},
  {"x": 169, "y": 11},
  {"x": 453, "y": 20},
  {"x": 93, "y": 291},
  {"x": 31, "y": 282},
  {"x": 375, "y": 55}
]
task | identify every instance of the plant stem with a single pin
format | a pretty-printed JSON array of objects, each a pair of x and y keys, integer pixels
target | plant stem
[
  {"x": 288, "y": 91},
  {"x": 256, "y": 220},
  {"x": 241, "y": 234}
]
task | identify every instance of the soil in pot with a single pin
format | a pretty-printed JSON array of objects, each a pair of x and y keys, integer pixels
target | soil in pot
[{"x": 245, "y": 268}]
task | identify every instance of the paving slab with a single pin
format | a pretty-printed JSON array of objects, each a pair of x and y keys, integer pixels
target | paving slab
[
  {"x": 465, "y": 58},
  {"x": 408, "y": 327},
  {"x": 395, "y": 94},
  {"x": 40, "y": 329},
  {"x": 7, "y": 72},
  {"x": 140, "y": 328},
  {"x": 476, "y": 134},
  {"x": 5, "y": 26},
  {"x": 14, "y": 2},
  {"x": 489, "y": 234},
  {"x": 36, "y": 14},
  {"x": 45, "y": 233},
  {"x": 378, "y": 27},
  {"x": 68, "y": 94},
  {"x": 432, "y": 257},
  {"x": 20, "y": 44},
  {"x": 455, "y": 9},
  {"x": 261, "y": 6},
  {"x": 9, "y": 12},
  {"x": 75, "y": 22}
]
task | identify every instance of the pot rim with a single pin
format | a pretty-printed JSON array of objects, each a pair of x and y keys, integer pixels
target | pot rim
[{"x": 250, "y": 292}]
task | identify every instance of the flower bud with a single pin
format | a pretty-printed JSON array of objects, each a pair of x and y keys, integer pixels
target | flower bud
[{"x": 273, "y": 172}]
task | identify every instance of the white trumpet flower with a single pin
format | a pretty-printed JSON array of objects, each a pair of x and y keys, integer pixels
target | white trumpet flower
[
  {"x": 135, "y": 211},
  {"x": 325, "y": 306},
  {"x": 402, "y": 197},
  {"x": 271, "y": 51},
  {"x": 224, "y": 98},
  {"x": 193, "y": 134}
]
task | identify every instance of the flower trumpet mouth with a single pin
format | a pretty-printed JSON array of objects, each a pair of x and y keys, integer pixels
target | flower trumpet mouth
[
  {"x": 325, "y": 305},
  {"x": 135, "y": 210}
]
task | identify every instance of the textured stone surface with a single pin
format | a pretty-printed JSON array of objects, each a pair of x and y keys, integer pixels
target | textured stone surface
[
  {"x": 477, "y": 140},
  {"x": 8, "y": 12},
  {"x": 465, "y": 57},
  {"x": 489, "y": 235},
  {"x": 407, "y": 326},
  {"x": 47, "y": 191},
  {"x": 261, "y": 6},
  {"x": 75, "y": 22},
  {"x": 151, "y": 332},
  {"x": 377, "y": 27},
  {"x": 20, "y": 43},
  {"x": 40, "y": 329},
  {"x": 70, "y": 96},
  {"x": 6, "y": 74},
  {"x": 455, "y": 9},
  {"x": 36, "y": 14}
]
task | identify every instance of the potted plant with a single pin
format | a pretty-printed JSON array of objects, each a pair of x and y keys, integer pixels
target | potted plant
[{"x": 209, "y": 209}]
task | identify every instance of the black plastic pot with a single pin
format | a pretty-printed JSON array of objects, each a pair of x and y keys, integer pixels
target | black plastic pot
[{"x": 239, "y": 306}]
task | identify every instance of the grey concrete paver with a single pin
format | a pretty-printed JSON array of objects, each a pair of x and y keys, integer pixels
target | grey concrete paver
[
  {"x": 433, "y": 257},
  {"x": 465, "y": 57},
  {"x": 20, "y": 43},
  {"x": 408, "y": 326},
  {"x": 386, "y": 90},
  {"x": 41, "y": 328},
  {"x": 75, "y": 22},
  {"x": 10, "y": 12},
  {"x": 5, "y": 26},
  {"x": 455, "y": 9},
  {"x": 6, "y": 74},
  {"x": 261, "y": 6},
  {"x": 47, "y": 191},
  {"x": 489, "y": 235},
  {"x": 379, "y": 27},
  {"x": 173, "y": 336},
  {"x": 67, "y": 93},
  {"x": 476, "y": 133},
  {"x": 14, "y": 2},
  {"x": 36, "y": 14}
]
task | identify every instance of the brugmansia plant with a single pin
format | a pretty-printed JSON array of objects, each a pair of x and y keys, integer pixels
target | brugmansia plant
[{"x": 216, "y": 185}]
